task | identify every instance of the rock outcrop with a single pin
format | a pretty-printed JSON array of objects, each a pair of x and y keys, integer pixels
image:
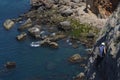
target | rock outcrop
[{"x": 109, "y": 68}]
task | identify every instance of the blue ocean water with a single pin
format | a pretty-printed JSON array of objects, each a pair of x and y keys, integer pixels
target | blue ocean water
[{"x": 32, "y": 63}]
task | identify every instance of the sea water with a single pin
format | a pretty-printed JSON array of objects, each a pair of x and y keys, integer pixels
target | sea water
[{"x": 40, "y": 63}]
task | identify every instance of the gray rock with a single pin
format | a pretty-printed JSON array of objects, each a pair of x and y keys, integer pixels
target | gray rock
[
  {"x": 8, "y": 24},
  {"x": 67, "y": 12},
  {"x": 65, "y": 25}
]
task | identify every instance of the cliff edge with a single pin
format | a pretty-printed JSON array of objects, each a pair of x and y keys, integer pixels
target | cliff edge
[{"x": 109, "y": 68}]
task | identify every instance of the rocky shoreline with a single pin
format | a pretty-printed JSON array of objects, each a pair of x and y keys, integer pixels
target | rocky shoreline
[
  {"x": 49, "y": 21},
  {"x": 63, "y": 17}
]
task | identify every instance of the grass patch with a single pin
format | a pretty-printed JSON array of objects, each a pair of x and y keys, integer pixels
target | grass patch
[{"x": 81, "y": 30}]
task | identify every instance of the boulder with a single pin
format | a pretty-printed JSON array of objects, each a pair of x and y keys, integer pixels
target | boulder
[
  {"x": 10, "y": 65},
  {"x": 76, "y": 58},
  {"x": 35, "y": 31},
  {"x": 25, "y": 25},
  {"x": 80, "y": 76},
  {"x": 65, "y": 25},
  {"x": 8, "y": 24},
  {"x": 53, "y": 44},
  {"x": 21, "y": 36},
  {"x": 67, "y": 12}
]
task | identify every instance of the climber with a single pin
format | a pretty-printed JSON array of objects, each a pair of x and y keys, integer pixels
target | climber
[
  {"x": 102, "y": 49},
  {"x": 102, "y": 53}
]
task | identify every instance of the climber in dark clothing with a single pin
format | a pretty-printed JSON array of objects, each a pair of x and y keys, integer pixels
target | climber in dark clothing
[{"x": 102, "y": 53}]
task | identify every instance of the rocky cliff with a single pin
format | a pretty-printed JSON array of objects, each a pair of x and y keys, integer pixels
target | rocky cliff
[
  {"x": 102, "y": 7},
  {"x": 109, "y": 68}
]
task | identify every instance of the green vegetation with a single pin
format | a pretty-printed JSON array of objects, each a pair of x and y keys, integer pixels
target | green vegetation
[{"x": 81, "y": 30}]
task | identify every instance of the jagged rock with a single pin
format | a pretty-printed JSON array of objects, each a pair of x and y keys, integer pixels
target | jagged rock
[
  {"x": 35, "y": 31},
  {"x": 27, "y": 24},
  {"x": 76, "y": 58},
  {"x": 65, "y": 25},
  {"x": 67, "y": 12},
  {"x": 10, "y": 65},
  {"x": 8, "y": 24},
  {"x": 21, "y": 36},
  {"x": 80, "y": 76}
]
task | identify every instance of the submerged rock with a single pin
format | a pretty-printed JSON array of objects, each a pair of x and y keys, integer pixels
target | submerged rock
[
  {"x": 8, "y": 24},
  {"x": 10, "y": 65},
  {"x": 76, "y": 58}
]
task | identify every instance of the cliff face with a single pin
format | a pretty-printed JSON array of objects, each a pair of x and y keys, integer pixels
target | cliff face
[
  {"x": 102, "y": 8},
  {"x": 109, "y": 68}
]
